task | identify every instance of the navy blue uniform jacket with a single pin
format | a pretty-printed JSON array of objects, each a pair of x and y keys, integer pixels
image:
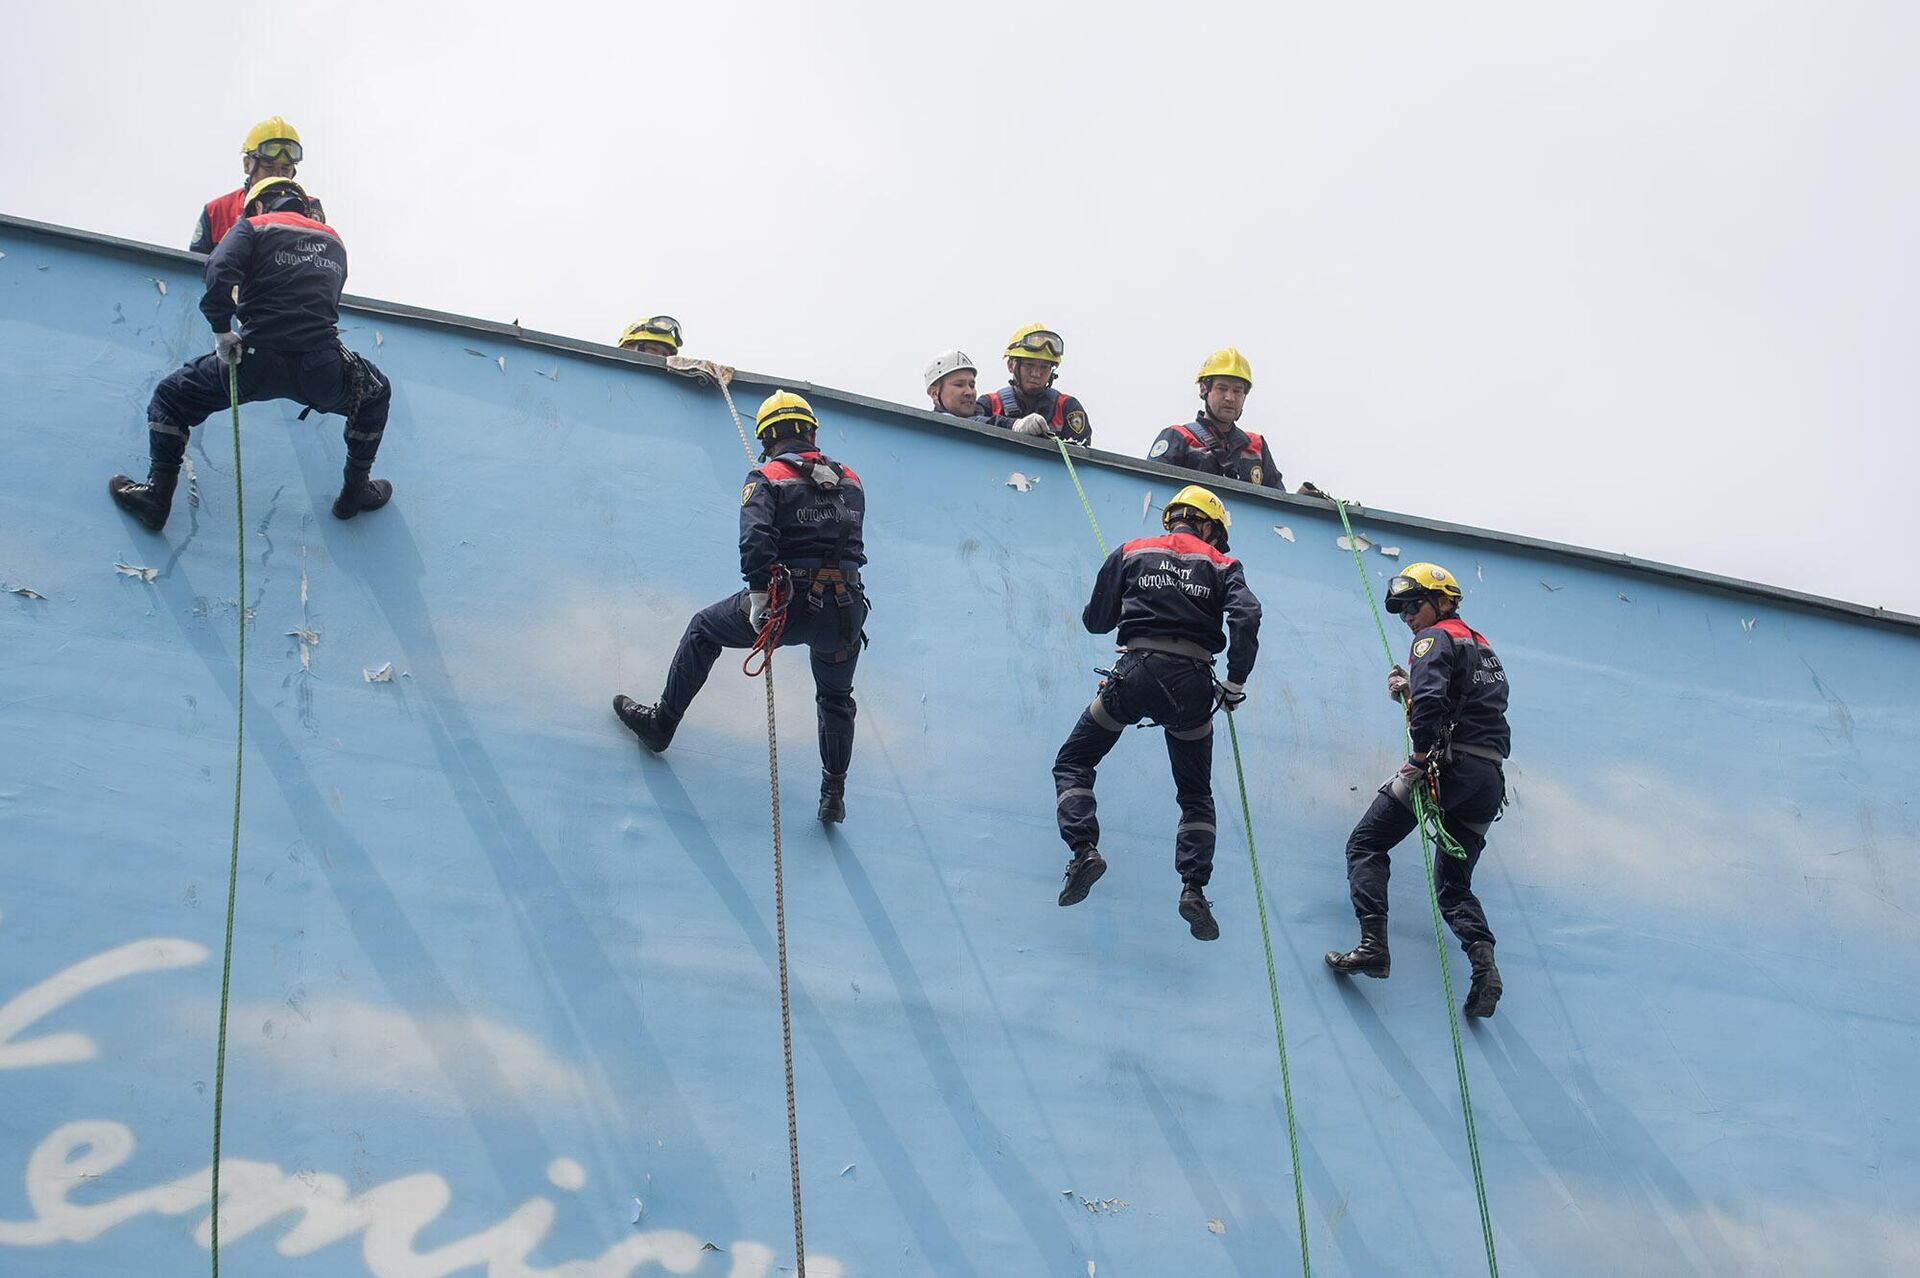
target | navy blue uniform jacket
[
  {"x": 1065, "y": 414},
  {"x": 1178, "y": 587},
  {"x": 789, "y": 515},
  {"x": 1239, "y": 454},
  {"x": 290, "y": 271},
  {"x": 1457, "y": 681}
]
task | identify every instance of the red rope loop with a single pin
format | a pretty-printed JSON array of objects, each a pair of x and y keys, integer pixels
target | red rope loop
[{"x": 779, "y": 594}]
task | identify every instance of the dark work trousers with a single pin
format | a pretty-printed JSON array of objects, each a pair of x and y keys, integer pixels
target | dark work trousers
[
  {"x": 1470, "y": 792},
  {"x": 831, "y": 634},
  {"x": 1175, "y": 692},
  {"x": 320, "y": 379}
]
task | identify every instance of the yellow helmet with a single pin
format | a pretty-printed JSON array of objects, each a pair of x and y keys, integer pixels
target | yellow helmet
[
  {"x": 1416, "y": 581},
  {"x": 654, "y": 328},
  {"x": 271, "y": 130},
  {"x": 1036, "y": 341},
  {"x": 781, "y": 408},
  {"x": 266, "y": 185},
  {"x": 1195, "y": 498},
  {"x": 1226, "y": 363}
]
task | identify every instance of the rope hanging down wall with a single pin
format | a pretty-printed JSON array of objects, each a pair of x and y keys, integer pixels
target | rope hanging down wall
[
  {"x": 233, "y": 855},
  {"x": 1422, "y": 816},
  {"x": 1260, "y": 900},
  {"x": 764, "y": 645}
]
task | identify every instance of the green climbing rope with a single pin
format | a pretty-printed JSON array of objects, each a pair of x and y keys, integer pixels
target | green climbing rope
[
  {"x": 1273, "y": 992},
  {"x": 1260, "y": 900},
  {"x": 1421, "y": 815},
  {"x": 1085, "y": 505},
  {"x": 233, "y": 856}
]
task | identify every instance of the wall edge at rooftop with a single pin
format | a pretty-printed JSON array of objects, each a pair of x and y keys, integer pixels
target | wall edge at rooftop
[{"x": 921, "y": 419}]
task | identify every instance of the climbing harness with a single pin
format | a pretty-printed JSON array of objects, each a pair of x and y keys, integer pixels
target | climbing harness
[
  {"x": 1260, "y": 899},
  {"x": 779, "y": 595},
  {"x": 1419, "y": 800},
  {"x": 233, "y": 856},
  {"x": 1431, "y": 815}
]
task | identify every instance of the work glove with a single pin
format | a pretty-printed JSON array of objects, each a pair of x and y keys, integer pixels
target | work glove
[
  {"x": 1031, "y": 424},
  {"x": 1232, "y": 695},
  {"x": 227, "y": 347},
  {"x": 756, "y": 608},
  {"x": 1399, "y": 687}
]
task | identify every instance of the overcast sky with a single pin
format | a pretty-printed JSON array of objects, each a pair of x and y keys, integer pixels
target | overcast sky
[{"x": 1637, "y": 276}]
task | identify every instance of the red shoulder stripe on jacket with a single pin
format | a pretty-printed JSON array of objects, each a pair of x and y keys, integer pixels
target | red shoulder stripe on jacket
[
  {"x": 1177, "y": 544},
  {"x": 1188, "y": 544},
  {"x": 1460, "y": 630},
  {"x": 295, "y": 220}
]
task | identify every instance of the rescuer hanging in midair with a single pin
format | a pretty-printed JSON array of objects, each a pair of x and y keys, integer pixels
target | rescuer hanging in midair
[
  {"x": 1170, "y": 596},
  {"x": 288, "y": 271},
  {"x": 1456, "y": 699},
  {"x": 802, "y": 516}
]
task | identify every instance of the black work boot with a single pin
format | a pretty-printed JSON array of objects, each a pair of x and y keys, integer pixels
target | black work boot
[
  {"x": 654, "y": 729},
  {"x": 833, "y": 797},
  {"x": 152, "y": 501},
  {"x": 1197, "y": 910},
  {"x": 1082, "y": 873},
  {"x": 1484, "y": 993},
  {"x": 1370, "y": 957},
  {"x": 358, "y": 493}
]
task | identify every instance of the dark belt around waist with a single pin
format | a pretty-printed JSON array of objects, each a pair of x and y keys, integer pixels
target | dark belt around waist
[{"x": 1169, "y": 647}]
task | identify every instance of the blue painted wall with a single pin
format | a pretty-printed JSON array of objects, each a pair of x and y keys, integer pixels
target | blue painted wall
[{"x": 498, "y": 974}]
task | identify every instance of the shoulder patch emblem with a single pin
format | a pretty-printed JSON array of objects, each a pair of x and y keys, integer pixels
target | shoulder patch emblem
[
  {"x": 1422, "y": 647},
  {"x": 1077, "y": 422},
  {"x": 1256, "y": 475},
  {"x": 746, "y": 494},
  {"x": 1159, "y": 448}
]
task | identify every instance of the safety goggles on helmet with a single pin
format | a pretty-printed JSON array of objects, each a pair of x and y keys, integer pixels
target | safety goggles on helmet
[
  {"x": 278, "y": 151},
  {"x": 665, "y": 326},
  {"x": 1404, "y": 594},
  {"x": 1041, "y": 344}
]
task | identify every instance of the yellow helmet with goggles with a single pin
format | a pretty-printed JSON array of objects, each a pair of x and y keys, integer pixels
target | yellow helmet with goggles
[
  {"x": 654, "y": 328},
  {"x": 1036, "y": 341},
  {"x": 1420, "y": 581},
  {"x": 273, "y": 139}
]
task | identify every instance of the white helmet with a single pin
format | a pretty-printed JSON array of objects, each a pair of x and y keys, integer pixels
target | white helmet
[{"x": 948, "y": 362}]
